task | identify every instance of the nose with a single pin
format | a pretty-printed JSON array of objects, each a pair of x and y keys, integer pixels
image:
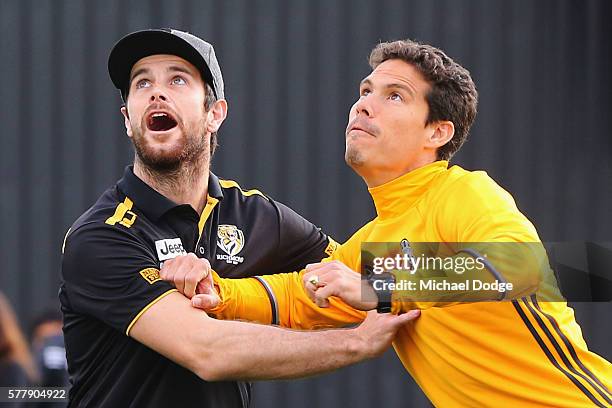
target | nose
[
  {"x": 157, "y": 94},
  {"x": 364, "y": 106}
]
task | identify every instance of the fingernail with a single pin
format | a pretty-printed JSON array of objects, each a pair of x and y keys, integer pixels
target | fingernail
[{"x": 197, "y": 302}]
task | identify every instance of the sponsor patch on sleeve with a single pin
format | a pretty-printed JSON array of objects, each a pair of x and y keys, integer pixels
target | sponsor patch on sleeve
[
  {"x": 331, "y": 247},
  {"x": 151, "y": 275}
]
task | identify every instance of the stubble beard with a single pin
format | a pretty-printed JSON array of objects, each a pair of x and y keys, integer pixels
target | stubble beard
[
  {"x": 191, "y": 144},
  {"x": 353, "y": 156},
  {"x": 177, "y": 166}
]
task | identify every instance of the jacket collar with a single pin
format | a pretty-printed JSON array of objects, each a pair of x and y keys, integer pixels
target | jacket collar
[{"x": 396, "y": 196}]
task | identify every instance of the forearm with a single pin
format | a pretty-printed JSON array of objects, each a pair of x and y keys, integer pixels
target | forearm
[
  {"x": 257, "y": 352},
  {"x": 218, "y": 350},
  {"x": 281, "y": 299},
  {"x": 242, "y": 299}
]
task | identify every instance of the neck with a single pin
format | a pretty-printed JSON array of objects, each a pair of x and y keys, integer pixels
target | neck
[
  {"x": 378, "y": 177},
  {"x": 188, "y": 184}
]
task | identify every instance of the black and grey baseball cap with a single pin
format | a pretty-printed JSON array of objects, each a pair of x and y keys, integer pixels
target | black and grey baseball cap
[{"x": 131, "y": 48}]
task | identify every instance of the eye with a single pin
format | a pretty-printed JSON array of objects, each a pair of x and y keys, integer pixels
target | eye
[
  {"x": 364, "y": 92},
  {"x": 396, "y": 97},
  {"x": 143, "y": 83},
  {"x": 178, "y": 81}
]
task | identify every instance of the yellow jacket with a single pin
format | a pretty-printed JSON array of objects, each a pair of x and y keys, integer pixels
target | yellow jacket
[{"x": 524, "y": 352}]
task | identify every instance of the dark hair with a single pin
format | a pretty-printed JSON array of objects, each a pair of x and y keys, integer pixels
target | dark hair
[{"x": 452, "y": 96}]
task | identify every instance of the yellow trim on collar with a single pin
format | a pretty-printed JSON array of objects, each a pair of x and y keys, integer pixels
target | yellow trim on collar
[{"x": 232, "y": 183}]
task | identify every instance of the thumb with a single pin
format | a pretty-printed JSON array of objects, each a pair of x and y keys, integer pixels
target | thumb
[
  {"x": 205, "y": 302},
  {"x": 406, "y": 317},
  {"x": 206, "y": 286},
  {"x": 321, "y": 296}
]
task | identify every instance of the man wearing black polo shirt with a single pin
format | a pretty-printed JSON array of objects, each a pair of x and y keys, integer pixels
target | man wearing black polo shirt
[{"x": 131, "y": 338}]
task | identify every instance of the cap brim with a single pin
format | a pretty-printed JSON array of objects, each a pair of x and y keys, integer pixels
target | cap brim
[{"x": 131, "y": 48}]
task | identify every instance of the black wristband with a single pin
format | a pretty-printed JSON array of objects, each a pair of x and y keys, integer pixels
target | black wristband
[{"x": 380, "y": 282}]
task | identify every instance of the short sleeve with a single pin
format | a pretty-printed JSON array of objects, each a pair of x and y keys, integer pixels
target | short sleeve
[
  {"x": 300, "y": 241},
  {"x": 110, "y": 275}
]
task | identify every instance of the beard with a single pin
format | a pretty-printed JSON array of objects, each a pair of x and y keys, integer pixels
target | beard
[
  {"x": 189, "y": 148},
  {"x": 353, "y": 156}
]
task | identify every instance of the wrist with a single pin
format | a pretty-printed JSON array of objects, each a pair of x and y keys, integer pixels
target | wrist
[
  {"x": 358, "y": 345},
  {"x": 382, "y": 284}
]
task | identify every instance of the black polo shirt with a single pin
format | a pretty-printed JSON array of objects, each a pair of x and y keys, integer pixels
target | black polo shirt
[{"x": 110, "y": 274}]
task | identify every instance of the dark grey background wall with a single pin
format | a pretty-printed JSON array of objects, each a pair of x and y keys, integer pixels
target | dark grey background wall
[{"x": 292, "y": 70}]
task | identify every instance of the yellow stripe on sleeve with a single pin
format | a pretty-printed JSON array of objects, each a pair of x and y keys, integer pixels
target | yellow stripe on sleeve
[{"x": 147, "y": 307}]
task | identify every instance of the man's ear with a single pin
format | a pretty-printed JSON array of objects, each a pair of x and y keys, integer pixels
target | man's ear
[
  {"x": 216, "y": 115},
  {"x": 126, "y": 120},
  {"x": 442, "y": 132}
]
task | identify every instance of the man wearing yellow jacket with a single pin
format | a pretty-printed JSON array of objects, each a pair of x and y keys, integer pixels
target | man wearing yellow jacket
[{"x": 413, "y": 113}]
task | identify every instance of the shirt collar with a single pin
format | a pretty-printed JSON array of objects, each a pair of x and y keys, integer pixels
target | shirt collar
[
  {"x": 153, "y": 204},
  {"x": 396, "y": 196},
  {"x": 214, "y": 187}
]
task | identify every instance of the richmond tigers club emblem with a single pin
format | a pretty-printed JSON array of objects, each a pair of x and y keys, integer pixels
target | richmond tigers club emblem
[{"x": 231, "y": 240}]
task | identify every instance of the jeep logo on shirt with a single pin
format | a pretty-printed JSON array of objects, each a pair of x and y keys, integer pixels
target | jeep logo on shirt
[{"x": 169, "y": 248}]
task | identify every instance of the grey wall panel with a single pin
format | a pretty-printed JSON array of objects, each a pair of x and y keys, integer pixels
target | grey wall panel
[
  {"x": 292, "y": 70},
  {"x": 36, "y": 160},
  {"x": 11, "y": 239}
]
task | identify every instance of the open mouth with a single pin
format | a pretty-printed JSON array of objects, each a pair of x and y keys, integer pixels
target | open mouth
[{"x": 160, "y": 122}]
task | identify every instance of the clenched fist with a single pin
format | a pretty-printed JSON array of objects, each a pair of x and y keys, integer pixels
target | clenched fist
[
  {"x": 334, "y": 278},
  {"x": 192, "y": 276}
]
